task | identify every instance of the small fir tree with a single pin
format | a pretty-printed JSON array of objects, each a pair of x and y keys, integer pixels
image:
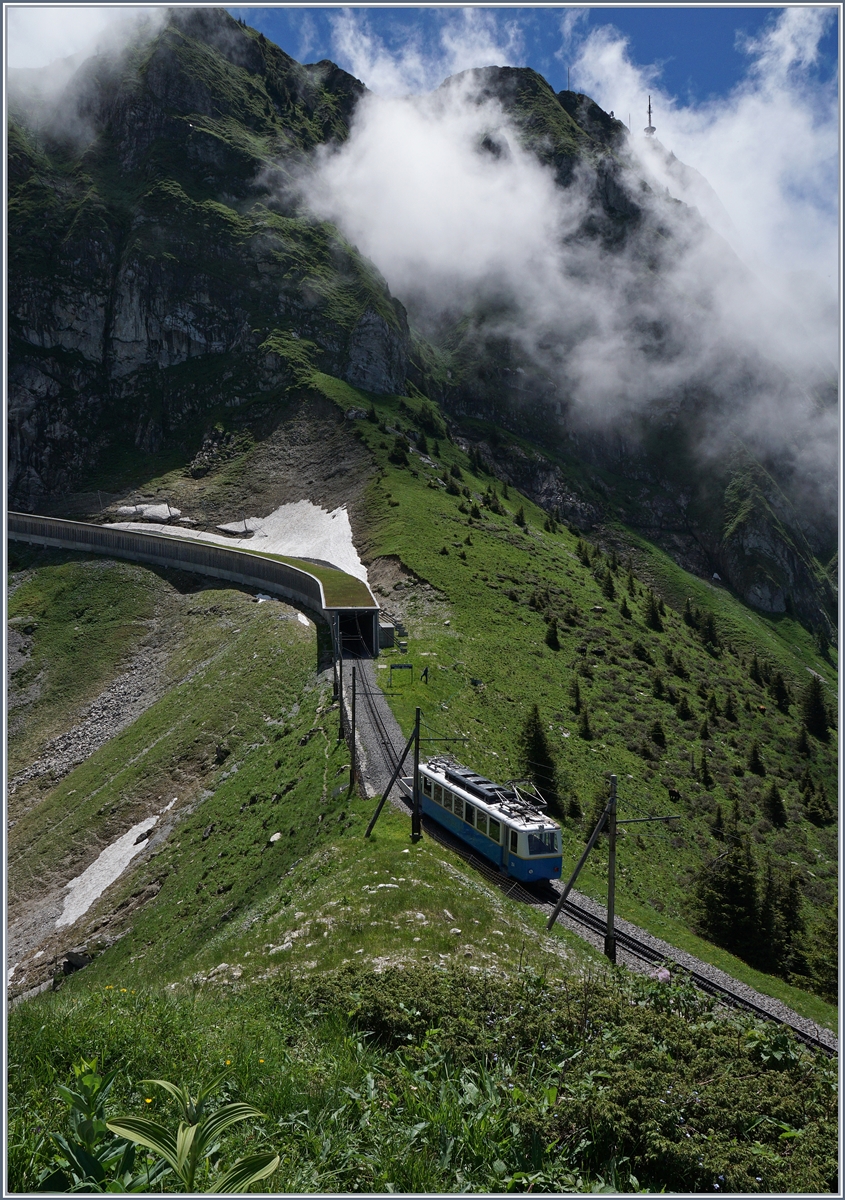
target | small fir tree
[
  {"x": 607, "y": 588},
  {"x": 632, "y": 587},
  {"x": 624, "y": 610},
  {"x": 651, "y": 616},
  {"x": 814, "y": 712},
  {"x": 657, "y": 735},
  {"x": 657, "y": 686},
  {"x": 706, "y": 777},
  {"x": 818, "y": 808},
  {"x": 688, "y": 617},
  {"x": 754, "y": 671},
  {"x": 584, "y": 729},
  {"x": 802, "y": 742},
  {"x": 552, "y": 640},
  {"x": 704, "y": 731},
  {"x": 519, "y": 517},
  {"x": 684, "y": 710},
  {"x": 779, "y": 691},
  {"x": 774, "y": 807},
  {"x": 719, "y": 824},
  {"x": 729, "y": 710},
  {"x": 726, "y": 899},
  {"x": 537, "y": 762},
  {"x": 422, "y": 443},
  {"x": 755, "y": 762}
]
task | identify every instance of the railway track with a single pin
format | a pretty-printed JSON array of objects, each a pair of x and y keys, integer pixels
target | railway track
[
  {"x": 545, "y": 896},
  {"x": 624, "y": 941}
]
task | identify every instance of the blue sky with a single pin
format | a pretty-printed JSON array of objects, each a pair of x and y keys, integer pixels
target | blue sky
[{"x": 697, "y": 54}]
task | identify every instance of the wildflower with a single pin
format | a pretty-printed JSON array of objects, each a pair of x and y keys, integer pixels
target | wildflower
[
  {"x": 261, "y": 1060},
  {"x": 123, "y": 989},
  {"x": 148, "y": 1099},
  {"x": 228, "y": 1062},
  {"x": 109, "y": 987}
]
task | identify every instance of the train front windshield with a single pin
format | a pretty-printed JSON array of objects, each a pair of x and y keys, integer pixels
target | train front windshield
[{"x": 543, "y": 842}]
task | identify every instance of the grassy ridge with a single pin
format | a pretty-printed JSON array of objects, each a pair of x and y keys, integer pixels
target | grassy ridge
[{"x": 490, "y": 662}]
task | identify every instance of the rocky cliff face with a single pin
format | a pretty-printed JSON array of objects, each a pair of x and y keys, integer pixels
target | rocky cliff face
[{"x": 149, "y": 278}]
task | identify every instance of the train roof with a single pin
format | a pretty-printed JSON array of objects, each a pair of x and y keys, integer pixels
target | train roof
[{"x": 512, "y": 805}]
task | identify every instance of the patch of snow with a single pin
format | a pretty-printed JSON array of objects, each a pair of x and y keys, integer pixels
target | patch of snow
[
  {"x": 10, "y": 974},
  {"x": 262, "y": 599},
  {"x": 168, "y": 807},
  {"x": 149, "y": 512},
  {"x": 302, "y": 530},
  {"x": 110, "y": 864},
  {"x": 303, "y": 620}
]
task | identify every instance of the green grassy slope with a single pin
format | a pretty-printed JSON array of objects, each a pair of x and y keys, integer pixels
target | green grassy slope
[
  {"x": 365, "y": 991},
  {"x": 490, "y": 662}
]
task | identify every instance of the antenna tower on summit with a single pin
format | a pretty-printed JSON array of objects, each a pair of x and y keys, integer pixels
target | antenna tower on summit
[{"x": 649, "y": 129}]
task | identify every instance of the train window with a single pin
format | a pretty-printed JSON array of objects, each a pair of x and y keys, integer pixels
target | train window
[
  {"x": 480, "y": 821},
  {"x": 459, "y": 806},
  {"x": 469, "y": 814},
  {"x": 447, "y": 800},
  {"x": 438, "y": 794},
  {"x": 426, "y": 785},
  {"x": 514, "y": 841},
  {"x": 494, "y": 830},
  {"x": 542, "y": 842}
]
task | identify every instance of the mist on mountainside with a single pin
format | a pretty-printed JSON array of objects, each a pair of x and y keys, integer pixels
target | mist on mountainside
[{"x": 651, "y": 314}]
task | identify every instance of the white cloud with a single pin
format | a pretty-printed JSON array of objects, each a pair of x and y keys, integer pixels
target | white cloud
[
  {"x": 468, "y": 37},
  {"x": 37, "y": 36},
  {"x": 769, "y": 150},
  {"x": 450, "y": 225}
]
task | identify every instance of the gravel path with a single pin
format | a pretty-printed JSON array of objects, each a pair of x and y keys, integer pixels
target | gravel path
[{"x": 376, "y": 767}]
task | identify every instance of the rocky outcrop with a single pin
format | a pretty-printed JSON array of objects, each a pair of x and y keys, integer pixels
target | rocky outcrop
[
  {"x": 378, "y": 355},
  {"x": 144, "y": 282}
]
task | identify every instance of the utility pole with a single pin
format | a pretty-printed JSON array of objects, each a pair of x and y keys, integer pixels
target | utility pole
[
  {"x": 413, "y": 738},
  {"x": 416, "y": 810},
  {"x": 610, "y": 935}
]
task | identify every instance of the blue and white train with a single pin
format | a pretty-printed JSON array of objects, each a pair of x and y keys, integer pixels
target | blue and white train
[{"x": 498, "y": 822}]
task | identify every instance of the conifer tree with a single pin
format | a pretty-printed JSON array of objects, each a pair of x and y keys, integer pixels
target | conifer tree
[
  {"x": 632, "y": 587},
  {"x": 607, "y": 588},
  {"x": 818, "y": 807},
  {"x": 755, "y": 762},
  {"x": 624, "y": 610},
  {"x": 779, "y": 691},
  {"x": 684, "y": 710},
  {"x": 689, "y": 619},
  {"x": 552, "y": 640},
  {"x": 774, "y": 807},
  {"x": 704, "y": 731},
  {"x": 754, "y": 671},
  {"x": 519, "y": 517},
  {"x": 652, "y": 615},
  {"x": 814, "y": 710},
  {"x": 729, "y": 711},
  {"x": 584, "y": 729},
  {"x": 657, "y": 735},
  {"x": 537, "y": 762},
  {"x": 719, "y": 824},
  {"x": 708, "y": 631},
  {"x": 802, "y": 742},
  {"x": 422, "y": 443},
  {"x": 706, "y": 777},
  {"x": 657, "y": 685},
  {"x": 726, "y": 897}
]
